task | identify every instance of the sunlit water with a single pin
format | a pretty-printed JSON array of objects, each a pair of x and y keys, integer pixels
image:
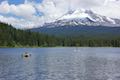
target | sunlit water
[{"x": 60, "y": 64}]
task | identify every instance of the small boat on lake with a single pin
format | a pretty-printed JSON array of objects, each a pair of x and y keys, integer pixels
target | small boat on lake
[{"x": 26, "y": 55}]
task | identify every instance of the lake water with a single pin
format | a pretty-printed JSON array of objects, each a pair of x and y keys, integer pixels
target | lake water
[{"x": 60, "y": 64}]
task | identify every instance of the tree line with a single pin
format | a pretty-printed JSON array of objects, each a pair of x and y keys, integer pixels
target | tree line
[{"x": 12, "y": 37}]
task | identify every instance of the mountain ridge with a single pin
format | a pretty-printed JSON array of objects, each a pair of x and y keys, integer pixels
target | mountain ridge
[
  {"x": 82, "y": 23},
  {"x": 83, "y": 17}
]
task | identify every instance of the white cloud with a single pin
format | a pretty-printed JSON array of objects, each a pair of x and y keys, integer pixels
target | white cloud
[
  {"x": 4, "y": 7},
  {"x": 53, "y": 9},
  {"x": 25, "y": 10},
  {"x": 19, "y": 23},
  {"x": 22, "y": 23},
  {"x": 111, "y": 9}
]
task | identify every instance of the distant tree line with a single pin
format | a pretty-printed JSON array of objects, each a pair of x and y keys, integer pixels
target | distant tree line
[{"x": 11, "y": 37}]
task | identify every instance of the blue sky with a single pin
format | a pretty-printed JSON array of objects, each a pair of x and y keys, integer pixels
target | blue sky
[
  {"x": 17, "y": 2},
  {"x": 35, "y": 13}
]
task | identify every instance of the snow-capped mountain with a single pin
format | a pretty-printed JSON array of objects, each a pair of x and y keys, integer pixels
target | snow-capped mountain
[
  {"x": 82, "y": 23},
  {"x": 83, "y": 17}
]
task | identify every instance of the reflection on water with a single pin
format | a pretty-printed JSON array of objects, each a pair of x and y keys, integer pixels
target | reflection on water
[{"x": 60, "y": 64}]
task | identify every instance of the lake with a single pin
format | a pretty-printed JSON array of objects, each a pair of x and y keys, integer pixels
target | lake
[{"x": 60, "y": 64}]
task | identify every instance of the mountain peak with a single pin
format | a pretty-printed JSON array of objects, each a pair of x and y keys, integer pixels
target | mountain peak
[{"x": 79, "y": 13}]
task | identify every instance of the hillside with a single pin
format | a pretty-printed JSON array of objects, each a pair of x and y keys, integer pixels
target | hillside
[
  {"x": 11, "y": 37},
  {"x": 80, "y": 31}
]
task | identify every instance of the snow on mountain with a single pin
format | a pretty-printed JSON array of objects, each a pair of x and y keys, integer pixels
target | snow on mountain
[
  {"x": 75, "y": 14},
  {"x": 83, "y": 17}
]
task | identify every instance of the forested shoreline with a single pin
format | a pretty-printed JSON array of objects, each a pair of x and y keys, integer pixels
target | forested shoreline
[{"x": 11, "y": 37}]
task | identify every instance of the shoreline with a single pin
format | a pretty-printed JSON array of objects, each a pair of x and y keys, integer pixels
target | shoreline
[{"x": 61, "y": 47}]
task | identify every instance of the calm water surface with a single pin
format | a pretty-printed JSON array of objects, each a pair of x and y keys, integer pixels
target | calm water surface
[{"x": 60, "y": 64}]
